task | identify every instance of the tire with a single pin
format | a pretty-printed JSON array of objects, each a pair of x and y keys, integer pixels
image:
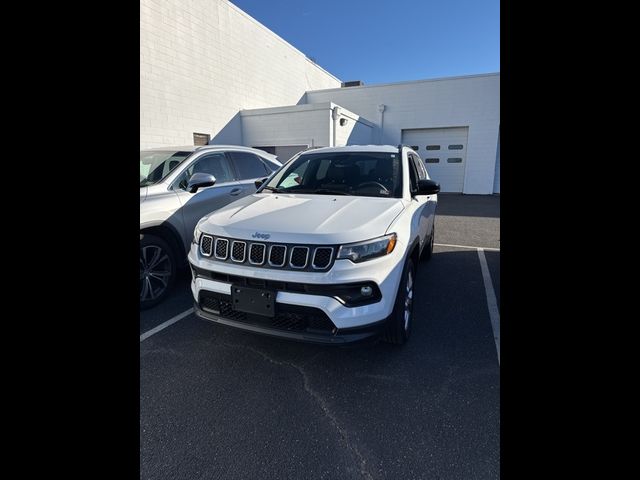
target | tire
[
  {"x": 157, "y": 270},
  {"x": 399, "y": 328},
  {"x": 427, "y": 252}
]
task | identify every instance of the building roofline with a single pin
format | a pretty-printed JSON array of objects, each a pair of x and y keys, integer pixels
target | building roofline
[
  {"x": 407, "y": 82},
  {"x": 305, "y": 107},
  {"x": 242, "y": 12}
]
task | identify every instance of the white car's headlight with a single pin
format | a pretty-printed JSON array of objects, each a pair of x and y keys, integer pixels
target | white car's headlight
[
  {"x": 196, "y": 235},
  {"x": 362, "y": 251}
]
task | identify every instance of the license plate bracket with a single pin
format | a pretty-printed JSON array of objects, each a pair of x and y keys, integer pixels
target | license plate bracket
[{"x": 253, "y": 300}]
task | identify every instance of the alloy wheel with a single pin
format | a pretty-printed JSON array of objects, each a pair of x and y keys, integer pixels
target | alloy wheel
[
  {"x": 408, "y": 300},
  {"x": 155, "y": 271}
]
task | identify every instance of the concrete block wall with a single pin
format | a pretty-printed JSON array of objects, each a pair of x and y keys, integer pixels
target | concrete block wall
[
  {"x": 472, "y": 101},
  {"x": 201, "y": 61}
]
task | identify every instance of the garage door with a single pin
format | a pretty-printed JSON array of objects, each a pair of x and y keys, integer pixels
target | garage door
[{"x": 444, "y": 151}]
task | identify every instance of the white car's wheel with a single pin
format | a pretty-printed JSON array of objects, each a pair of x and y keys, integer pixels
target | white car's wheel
[{"x": 399, "y": 328}]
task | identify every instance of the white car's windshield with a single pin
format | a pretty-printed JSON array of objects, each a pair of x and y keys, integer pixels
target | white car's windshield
[
  {"x": 369, "y": 174},
  {"x": 155, "y": 165}
]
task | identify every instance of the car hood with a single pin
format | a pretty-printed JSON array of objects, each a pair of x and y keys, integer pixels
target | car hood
[
  {"x": 143, "y": 193},
  {"x": 312, "y": 219}
]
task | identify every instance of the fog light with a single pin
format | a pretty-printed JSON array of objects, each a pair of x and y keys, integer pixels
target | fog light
[{"x": 366, "y": 291}]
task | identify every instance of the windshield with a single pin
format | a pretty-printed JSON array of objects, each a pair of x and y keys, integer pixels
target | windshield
[
  {"x": 155, "y": 165},
  {"x": 367, "y": 174}
]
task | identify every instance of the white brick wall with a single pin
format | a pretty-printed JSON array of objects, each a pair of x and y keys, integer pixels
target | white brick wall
[
  {"x": 472, "y": 101},
  {"x": 201, "y": 61}
]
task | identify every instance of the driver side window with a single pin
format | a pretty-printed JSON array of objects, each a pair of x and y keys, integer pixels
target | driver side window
[
  {"x": 215, "y": 164},
  {"x": 420, "y": 168},
  {"x": 413, "y": 175}
]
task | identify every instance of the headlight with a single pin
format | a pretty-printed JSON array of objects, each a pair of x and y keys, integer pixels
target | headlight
[
  {"x": 362, "y": 251},
  {"x": 196, "y": 235}
]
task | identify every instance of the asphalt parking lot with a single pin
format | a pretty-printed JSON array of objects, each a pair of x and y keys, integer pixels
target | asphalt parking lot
[{"x": 221, "y": 403}]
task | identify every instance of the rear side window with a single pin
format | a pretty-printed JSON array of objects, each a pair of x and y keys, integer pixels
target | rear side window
[{"x": 248, "y": 165}]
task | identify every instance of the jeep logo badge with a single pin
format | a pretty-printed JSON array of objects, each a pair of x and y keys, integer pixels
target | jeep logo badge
[{"x": 264, "y": 236}]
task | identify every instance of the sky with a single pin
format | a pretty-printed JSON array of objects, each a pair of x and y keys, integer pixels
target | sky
[{"x": 381, "y": 41}]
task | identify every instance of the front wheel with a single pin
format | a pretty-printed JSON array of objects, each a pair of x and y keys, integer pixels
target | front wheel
[
  {"x": 399, "y": 327},
  {"x": 157, "y": 270}
]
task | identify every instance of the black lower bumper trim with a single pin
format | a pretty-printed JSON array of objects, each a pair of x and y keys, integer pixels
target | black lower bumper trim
[
  {"x": 341, "y": 337},
  {"x": 349, "y": 294}
]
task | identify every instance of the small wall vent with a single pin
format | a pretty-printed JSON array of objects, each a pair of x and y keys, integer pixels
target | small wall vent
[{"x": 353, "y": 83}]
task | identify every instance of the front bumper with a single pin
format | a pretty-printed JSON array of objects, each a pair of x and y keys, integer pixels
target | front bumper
[
  {"x": 352, "y": 321},
  {"x": 263, "y": 326},
  {"x": 347, "y": 324}
]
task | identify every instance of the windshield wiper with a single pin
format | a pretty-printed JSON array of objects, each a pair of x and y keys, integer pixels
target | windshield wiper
[
  {"x": 327, "y": 191},
  {"x": 321, "y": 191},
  {"x": 272, "y": 189}
]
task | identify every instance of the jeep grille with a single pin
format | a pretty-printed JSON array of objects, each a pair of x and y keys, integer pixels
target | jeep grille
[
  {"x": 268, "y": 255},
  {"x": 206, "y": 245}
]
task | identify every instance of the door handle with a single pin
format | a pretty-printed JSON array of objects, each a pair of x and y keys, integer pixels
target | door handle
[{"x": 235, "y": 191}]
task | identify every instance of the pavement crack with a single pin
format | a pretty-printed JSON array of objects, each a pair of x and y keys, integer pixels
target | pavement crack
[{"x": 344, "y": 434}]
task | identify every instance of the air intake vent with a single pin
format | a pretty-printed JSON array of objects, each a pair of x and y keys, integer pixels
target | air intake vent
[
  {"x": 299, "y": 256},
  {"x": 238, "y": 251},
  {"x": 206, "y": 245},
  {"x": 277, "y": 255},
  {"x": 222, "y": 248},
  {"x": 322, "y": 257},
  {"x": 257, "y": 253}
]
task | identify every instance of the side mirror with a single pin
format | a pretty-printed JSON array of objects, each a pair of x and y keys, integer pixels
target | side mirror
[
  {"x": 428, "y": 187},
  {"x": 200, "y": 180},
  {"x": 258, "y": 183}
]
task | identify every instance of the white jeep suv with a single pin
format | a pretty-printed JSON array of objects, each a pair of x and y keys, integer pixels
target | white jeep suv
[{"x": 325, "y": 251}]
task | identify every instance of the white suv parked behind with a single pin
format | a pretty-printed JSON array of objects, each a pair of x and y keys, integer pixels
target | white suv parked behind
[{"x": 325, "y": 251}]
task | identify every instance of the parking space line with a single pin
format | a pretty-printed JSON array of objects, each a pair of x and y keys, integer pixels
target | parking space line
[
  {"x": 466, "y": 246},
  {"x": 166, "y": 324},
  {"x": 492, "y": 304}
]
